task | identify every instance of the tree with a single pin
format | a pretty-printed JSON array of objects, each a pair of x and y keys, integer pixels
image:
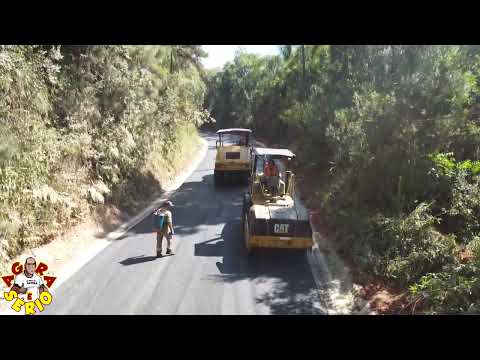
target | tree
[
  {"x": 182, "y": 56},
  {"x": 286, "y": 51}
]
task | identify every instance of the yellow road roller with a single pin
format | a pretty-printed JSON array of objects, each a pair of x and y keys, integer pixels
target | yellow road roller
[
  {"x": 271, "y": 216},
  {"x": 232, "y": 163}
]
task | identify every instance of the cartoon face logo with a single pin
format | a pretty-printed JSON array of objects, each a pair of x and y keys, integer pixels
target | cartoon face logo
[{"x": 28, "y": 286}]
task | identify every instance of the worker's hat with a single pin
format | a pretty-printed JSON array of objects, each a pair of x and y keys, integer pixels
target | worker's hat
[{"x": 168, "y": 203}]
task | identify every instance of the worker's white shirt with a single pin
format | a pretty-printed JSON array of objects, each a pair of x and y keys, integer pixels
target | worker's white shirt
[
  {"x": 168, "y": 215},
  {"x": 32, "y": 285}
]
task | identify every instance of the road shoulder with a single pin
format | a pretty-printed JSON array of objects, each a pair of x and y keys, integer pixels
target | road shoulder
[{"x": 333, "y": 277}]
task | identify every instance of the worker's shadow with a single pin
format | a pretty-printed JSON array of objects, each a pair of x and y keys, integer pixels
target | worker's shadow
[{"x": 138, "y": 260}]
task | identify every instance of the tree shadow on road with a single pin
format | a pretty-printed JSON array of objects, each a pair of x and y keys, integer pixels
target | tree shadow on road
[
  {"x": 286, "y": 273},
  {"x": 194, "y": 201},
  {"x": 282, "y": 278}
]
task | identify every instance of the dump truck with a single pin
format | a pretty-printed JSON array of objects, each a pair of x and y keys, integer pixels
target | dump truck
[{"x": 272, "y": 218}]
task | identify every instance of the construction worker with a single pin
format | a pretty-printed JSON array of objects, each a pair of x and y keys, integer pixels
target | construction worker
[
  {"x": 272, "y": 176},
  {"x": 167, "y": 228}
]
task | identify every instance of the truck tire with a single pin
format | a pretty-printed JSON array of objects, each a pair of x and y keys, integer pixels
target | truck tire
[
  {"x": 247, "y": 203},
  {"x": 246, "y": 234},
  {"x": 245, "y": 178}
]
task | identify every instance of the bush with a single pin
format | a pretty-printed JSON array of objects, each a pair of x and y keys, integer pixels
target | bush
[
  {"x": 456, "y": 185},
  {"x": 77, "y": 125},
  {"x": 404, "y": 249},
  {"x": 456, "y": 290},
  {"x": 390, "y": 127}
]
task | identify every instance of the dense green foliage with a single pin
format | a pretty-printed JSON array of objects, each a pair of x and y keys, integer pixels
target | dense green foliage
[
  {"x": 78, "y": 125},
  {"x": 392, "y": 134}
]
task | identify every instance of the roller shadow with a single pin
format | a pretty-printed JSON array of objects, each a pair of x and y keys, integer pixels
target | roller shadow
[{"x": 293, "y": 289}]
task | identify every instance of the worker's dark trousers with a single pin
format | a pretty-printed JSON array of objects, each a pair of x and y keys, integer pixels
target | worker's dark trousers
[{"x": 273, "y": 184}]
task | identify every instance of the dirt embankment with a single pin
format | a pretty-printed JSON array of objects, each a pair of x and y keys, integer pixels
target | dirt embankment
[{"x": 104, "y": 218}]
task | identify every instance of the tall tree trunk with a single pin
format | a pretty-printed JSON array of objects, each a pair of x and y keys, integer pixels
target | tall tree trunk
[
  {"x": 303, "y": 72},
  {"x": 286, "y": 51}
]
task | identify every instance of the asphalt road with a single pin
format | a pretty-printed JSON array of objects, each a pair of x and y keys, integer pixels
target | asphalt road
[{"x": 210, "y": 272}]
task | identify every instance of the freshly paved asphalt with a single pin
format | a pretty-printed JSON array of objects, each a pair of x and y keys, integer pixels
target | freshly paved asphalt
[{"x": 210, "y": 272}]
